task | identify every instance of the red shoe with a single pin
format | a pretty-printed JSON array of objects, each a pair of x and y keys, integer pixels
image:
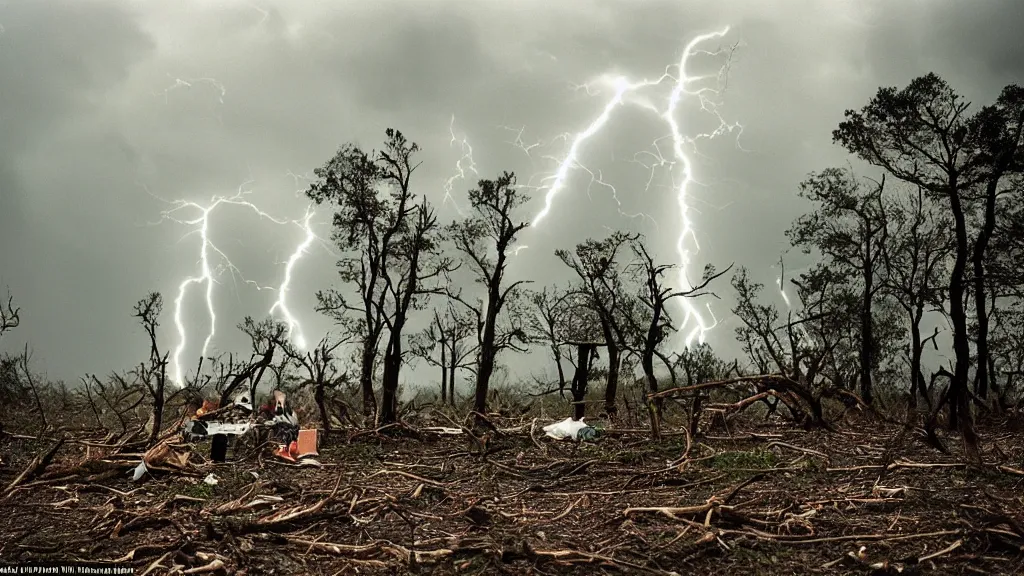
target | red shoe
[
  {"x": 293, "y": 448},
  {"x": 282, "y": 453}
]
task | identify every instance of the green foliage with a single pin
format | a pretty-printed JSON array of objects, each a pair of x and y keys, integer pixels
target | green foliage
[
  {"x": 700, "y": 364},
  {"x": 920, "y": 134},
  {"x": 199, "y": 490},
  {"x": 755, "y": 459}
]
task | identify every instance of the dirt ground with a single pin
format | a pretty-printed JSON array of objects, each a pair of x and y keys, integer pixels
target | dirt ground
[{"x": 768, "y": 499}]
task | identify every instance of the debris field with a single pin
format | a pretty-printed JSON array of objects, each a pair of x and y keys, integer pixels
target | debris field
[{"x": 407, "y": 499}]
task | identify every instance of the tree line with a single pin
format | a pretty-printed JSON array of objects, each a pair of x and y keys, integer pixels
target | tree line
[{"x": 928, "y": 233}]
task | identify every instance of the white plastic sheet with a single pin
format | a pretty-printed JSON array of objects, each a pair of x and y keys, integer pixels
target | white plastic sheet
[
  {"x": 138, "y": 471},
  {"x": 567, "y": 428}
]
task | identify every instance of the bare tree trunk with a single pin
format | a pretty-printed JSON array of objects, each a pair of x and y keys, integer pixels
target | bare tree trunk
[
  {"x": 612, "y": 388},
  {"x": 369, "y": 357},
  {"x": 654, "y": 404},
  {"x": 483, "y": 377},
  {"x": 916, "y": 377},
  {"x": 487, "y": 351},
  {"x": 959, "y": 406},
  {"x": 158, "y": 412},
  {"x": 580, "y": 380},
  {"x": 389, "y": 393},
  {"x": 451, "y": 376},
  {"x": 866, "y": 334},
  {"x": 444, "y": 372},
  {"x": 981, "y": 375},
  {"x": 647, "y": 364}
]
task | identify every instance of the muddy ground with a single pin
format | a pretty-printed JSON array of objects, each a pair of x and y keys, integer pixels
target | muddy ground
[{"x": 763, "y": 499}]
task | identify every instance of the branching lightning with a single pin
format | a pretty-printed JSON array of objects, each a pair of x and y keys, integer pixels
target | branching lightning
[
  {"x": 208, "y": 272},
  {"x": 213, "y": 262},
  {"x": 281, "y": 304},
  {"x": 189, "y": 83},
  {"x": 626, "y": 91},
  {"x": 460, "y": 170},
  {"x": 686, "y": 226},
  {"x": 558, "y": 180},
  {"x": 780, "y": 281}
]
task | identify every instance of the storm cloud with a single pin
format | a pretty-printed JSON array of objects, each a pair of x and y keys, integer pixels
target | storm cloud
[{"x": 109, "y": 109}]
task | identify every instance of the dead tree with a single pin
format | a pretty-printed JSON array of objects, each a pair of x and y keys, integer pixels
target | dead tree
[
  {"x": 444, "y": 345},
  {"x": 10, "y": 317},
  {"x": 485, "y": 241},
  {"x": 414, "y": 276},
  {"x": 849, "y": 228},
  {"x": 595, "y": 263},
  {"x": 121, "y": 395},
  {"x": 10, "y": 382},
  {"x": 321, "y": 371},
  {"x": 654, "y": 296},
  {"x": 264, "y": 337},
  {"x": 367, "y": 226},
  {"x": 24, "y": 362},
  {"x": 153, "y": 373},
  {"x": 915, "y": 262},
  {"x": 549, "y": 310}
]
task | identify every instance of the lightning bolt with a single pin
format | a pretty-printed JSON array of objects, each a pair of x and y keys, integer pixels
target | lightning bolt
[
  {"x": 623, "y": 91},
  {"x": 558, "y": 180},
  {"x": 189, "y": 83},
  {"x": 800, "y": 328},
  {"x": 281, "y": 305},
  {"x": 208, "y": 272},
  {"x": 460, "y": 171},
  {"x": 682, "y": 192},
  {"x": 626, "y": 91},
  {"x": 782, "y": 291}
]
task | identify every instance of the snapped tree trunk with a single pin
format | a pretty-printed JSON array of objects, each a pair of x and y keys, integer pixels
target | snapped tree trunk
[{"x": 158, "y": 413}]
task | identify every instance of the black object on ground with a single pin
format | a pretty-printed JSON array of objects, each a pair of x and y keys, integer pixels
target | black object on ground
[{"x": 219, "y": 448}]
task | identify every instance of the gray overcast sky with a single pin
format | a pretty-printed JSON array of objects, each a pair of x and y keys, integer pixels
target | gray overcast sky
[{"x": 96, "y": 120}]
